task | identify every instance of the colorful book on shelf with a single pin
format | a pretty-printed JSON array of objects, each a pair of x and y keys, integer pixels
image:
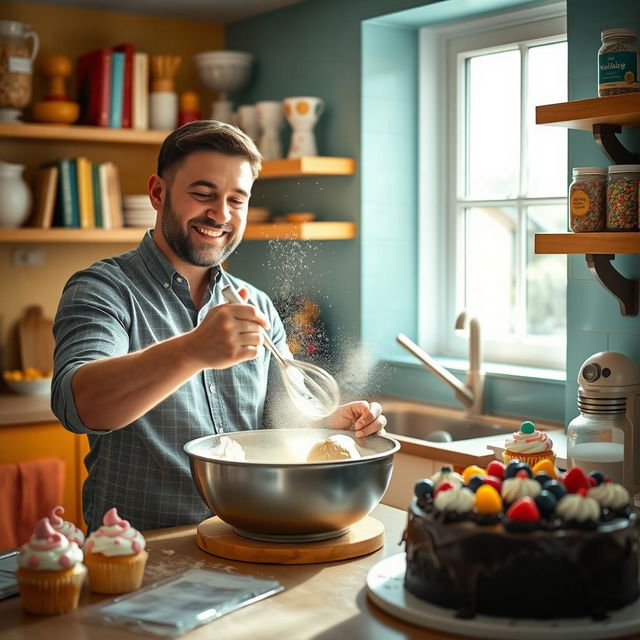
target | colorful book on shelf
[
  {"x": 127, "y": 83},
  {"x": 105, "y": 197},
  {"x": 110, "y": 196},
  {"x": 94, "y": 87},
  {"x": 46, "y": 188},
  {"x": 85, "y": 193},
  {"x": 117, "y": 89},
  {"x": 66, "y": 212},
  {"x": 115, "y": 193},
  {"x": 140, "y": 92},
  {"x": 97, "y": 200}
]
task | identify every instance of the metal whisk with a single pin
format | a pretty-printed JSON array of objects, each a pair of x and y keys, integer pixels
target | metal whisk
[{"x": 312, "y": 390}]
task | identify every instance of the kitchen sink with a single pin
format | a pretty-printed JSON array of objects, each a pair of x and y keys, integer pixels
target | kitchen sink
[{"x": 419, "y": 423}]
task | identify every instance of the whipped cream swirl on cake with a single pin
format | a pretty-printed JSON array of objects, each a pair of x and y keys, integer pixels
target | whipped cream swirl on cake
[
  {"x": 49, "y": 550},
  {"x": 578, "y": 507},
  {"x": 528, "y": 440},
  {"x": 519, "y": 487},
  {"x": 611, "y": 495},
  {"x": 116, "y": 537},
  {"x": 458, "y": 500},
  {"x": 446, "y": 475}
]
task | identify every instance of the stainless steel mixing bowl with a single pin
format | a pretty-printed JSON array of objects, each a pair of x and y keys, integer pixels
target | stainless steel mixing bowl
[{"x": 275, "y": 495}]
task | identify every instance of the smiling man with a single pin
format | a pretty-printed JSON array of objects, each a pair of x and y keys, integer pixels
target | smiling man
[{"x": 149, "y": 356}]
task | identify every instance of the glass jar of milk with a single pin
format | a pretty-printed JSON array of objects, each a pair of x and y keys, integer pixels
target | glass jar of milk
[{"x": 595, "y": 442}]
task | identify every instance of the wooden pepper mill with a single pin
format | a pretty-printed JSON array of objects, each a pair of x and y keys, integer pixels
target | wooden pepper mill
[{"x": 56, "y": 107}]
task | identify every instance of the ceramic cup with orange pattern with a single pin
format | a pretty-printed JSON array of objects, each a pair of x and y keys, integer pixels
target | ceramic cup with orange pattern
[{"x": 302, "y": 113}]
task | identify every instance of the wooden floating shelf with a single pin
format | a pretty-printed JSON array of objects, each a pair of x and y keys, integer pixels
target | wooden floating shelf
[
  {"x": 300, "y": 231},
  {"x": 80, "y": 133},
  {"x": 623, "y": 110},
  {"x": 285, "y": 168},
  {"x": 606, "y": 242},
  {"x": 308, "y": 166},
  {"x": 133, "y": 235}
]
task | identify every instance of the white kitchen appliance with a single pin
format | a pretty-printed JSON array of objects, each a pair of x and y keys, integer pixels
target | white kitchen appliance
[{"x": 605, "y": 436}]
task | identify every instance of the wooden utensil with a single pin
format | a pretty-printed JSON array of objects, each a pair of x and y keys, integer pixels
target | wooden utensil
[
  {"x": 36, "y": 339},
  {"x": 163, "y": 72}
]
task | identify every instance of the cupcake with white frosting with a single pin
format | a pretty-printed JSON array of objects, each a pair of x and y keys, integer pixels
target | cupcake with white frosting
[
  {"x": 529, "y": 445},
  {"x": 50, "y": 572},
  {"x": 115, "y": 556}
]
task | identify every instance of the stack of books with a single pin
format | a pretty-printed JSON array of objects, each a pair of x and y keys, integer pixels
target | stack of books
[
  {"x": 76, "y": 193},
  {"x": 113, "y": 87}
]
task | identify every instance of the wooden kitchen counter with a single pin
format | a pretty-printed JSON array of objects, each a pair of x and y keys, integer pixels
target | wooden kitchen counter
[{"x": 323, "y": 601}]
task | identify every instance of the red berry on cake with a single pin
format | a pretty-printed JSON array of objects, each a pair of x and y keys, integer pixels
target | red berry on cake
[
  {"x": 524, "y": 510},
  {"x": 444, "y": 486},
  {"x": 495, "y": 468},
  {"x": 576, "y": 479},
  {"x": 494, "y": 482}
]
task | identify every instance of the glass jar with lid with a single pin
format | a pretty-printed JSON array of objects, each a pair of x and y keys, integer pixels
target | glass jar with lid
[
  {"x": 588, "y": 199},
  {"x": 16, "y": 59},
  {"x": 618, "y": 62},
  {"x": 595, "y": 442},
  {"x": 622, "y": 197}
]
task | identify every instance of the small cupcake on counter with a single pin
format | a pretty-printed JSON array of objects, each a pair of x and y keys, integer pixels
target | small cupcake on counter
[
  {"x": 115, "y": 556},
  {"x": 529, "y": 445},
  {"x": 50, "y": 572},
  {"x": 65, "y": 527}
]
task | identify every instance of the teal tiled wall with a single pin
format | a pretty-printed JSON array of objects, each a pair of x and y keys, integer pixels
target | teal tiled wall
[
  {"x": 344, "y": 52},
  {"x": 594, "y": 322}
]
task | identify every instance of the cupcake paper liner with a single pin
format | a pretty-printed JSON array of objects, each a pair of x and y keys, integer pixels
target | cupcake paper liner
[
  {"x": 115, "y": 574},
  {"x": 50, "y": 592},
  {"x": 528, "y": 458}
]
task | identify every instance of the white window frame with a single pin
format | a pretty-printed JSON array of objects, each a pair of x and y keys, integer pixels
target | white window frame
[{"x": 440, "y": 48}]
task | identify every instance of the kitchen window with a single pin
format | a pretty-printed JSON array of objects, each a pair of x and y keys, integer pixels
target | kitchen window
[{"x": 495, "y": 179}]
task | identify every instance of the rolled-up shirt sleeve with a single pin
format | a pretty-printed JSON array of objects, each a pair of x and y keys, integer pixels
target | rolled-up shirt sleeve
[{"x": 91, "y": 324}]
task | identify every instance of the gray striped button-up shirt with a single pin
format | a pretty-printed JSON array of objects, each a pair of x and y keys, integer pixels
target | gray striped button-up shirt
[{"x": 121, "y": 305}]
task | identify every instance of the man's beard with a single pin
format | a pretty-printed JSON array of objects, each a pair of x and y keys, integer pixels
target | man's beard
[{"x": 178, "y": 239}]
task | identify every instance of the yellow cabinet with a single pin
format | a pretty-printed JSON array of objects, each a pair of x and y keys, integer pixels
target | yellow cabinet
[{"x": 19, "y": 443}]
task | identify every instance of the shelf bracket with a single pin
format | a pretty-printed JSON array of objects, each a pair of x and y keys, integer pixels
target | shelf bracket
[
  {"x": 605, "y": 136},
  {"x": 624, "y": 290}
]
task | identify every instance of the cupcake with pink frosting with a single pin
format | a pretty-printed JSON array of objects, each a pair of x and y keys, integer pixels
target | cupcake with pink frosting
[
  {"x": 50, "y": 572},
  {"x": 65, "y": 527},
  {"x": 529, "y": 445},
  {"x": 115, "y": 556}
]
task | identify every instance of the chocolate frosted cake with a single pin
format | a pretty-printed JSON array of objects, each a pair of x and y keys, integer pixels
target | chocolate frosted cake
[{"x": 520, "y": 542}]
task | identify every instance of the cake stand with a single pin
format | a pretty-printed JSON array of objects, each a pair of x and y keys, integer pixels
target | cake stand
[
  {"x": 385, "y": 588},
  {"x": 223, "y": 72}
]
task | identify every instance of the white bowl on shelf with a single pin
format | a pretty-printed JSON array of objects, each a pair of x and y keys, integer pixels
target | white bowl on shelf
[
  {"x": 223, "y": 71},
  {"x": 38, "y": 387}
]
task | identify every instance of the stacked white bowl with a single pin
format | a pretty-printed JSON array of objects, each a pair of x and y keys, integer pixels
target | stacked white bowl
[{"x": 137, "y": 211}]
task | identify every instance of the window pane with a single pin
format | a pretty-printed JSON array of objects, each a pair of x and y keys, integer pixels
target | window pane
[
  {"x": 546, "y": 275},
  {"x": 546, "y": 161},
  {"x": 493, "y": 112},
  {"x": 490, "y": 267}
]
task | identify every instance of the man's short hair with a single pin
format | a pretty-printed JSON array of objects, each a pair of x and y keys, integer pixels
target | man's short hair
[{"x": 206, "y": 135}]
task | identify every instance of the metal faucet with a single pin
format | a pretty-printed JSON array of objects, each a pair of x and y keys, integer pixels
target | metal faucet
[{"x": 470, "y": 394}]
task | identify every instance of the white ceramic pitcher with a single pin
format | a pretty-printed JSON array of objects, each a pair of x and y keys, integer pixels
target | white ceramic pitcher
[{"x": 15, "y": 196}]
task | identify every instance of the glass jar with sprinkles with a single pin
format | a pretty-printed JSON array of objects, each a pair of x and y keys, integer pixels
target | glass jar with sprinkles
[
  {"x": 622, "y": 197},
  {"x": 588, "y": 199},
  {"x": 618, "y": 62}
]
